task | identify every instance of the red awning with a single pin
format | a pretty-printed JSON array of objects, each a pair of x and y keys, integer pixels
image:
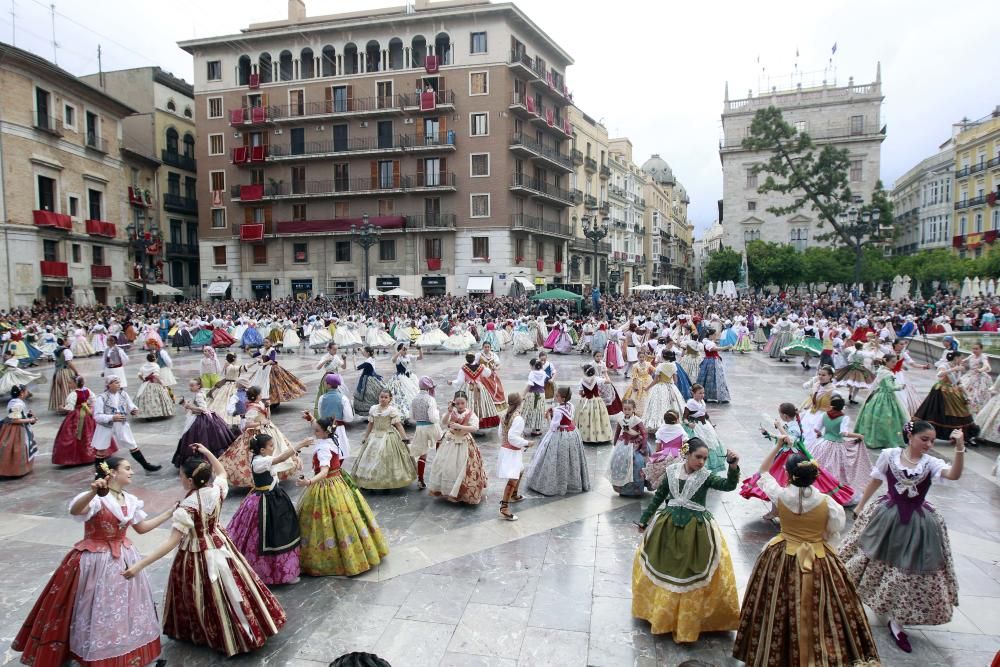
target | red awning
[{"x": 338, "y": 224}]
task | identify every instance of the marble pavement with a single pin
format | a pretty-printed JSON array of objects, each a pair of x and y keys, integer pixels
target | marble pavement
[{"x": 460, "y": 587}]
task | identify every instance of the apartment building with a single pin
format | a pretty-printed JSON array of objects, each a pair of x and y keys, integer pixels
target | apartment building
[
  {"x": 627, "y": 213},
  {"x": 922, "y": 208},
  {"x": 163, "y": 129},
  {"x": 671, "y": 244},
  {"x": 976, "y": 222},
  {"x": 709, "y": 243},
  {"x": 442, "y": 126},
  {"x": 64, "y": 196},
  {"x": 588, "y": 263},
  {"x": 848, "y": 117}
]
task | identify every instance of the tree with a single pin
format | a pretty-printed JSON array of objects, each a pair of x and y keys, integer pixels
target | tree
[
  {"x": 723, "y": 264},
  {"x": 824, "y": 265},
  {"x": 773, "y": 264},
  {"x": 818, "y": 177}
]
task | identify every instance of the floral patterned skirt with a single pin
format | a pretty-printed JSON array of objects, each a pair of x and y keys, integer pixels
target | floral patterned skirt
[
  {"x": 457, "y": 471},
  {"x": 592, "y": 421}
]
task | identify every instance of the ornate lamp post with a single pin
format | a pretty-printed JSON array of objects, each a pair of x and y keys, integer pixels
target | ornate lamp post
[
  {"x": 368, "y": 235},
  {"x": 143, "y": 243},
  {"x": 594, "y": 231}
]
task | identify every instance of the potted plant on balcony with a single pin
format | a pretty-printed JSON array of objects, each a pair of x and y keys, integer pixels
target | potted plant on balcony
[{"x": 275, "y": 188}]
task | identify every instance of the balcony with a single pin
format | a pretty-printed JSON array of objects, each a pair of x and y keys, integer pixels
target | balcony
[
  {"x": 101, "y": 228},
  {"x": 250, "y": 154},
  {"x": 96, "y": 143},
  {"x": 175, "y": 159},
  {"x": 432, "y": 101},
  {"x": 576, "y": 156},
  {"x": 590, "y": 201},
  {"x": 576, "y": 195},
  {"x": 524, "y": 184},
  {"x": 978, "y": 167},
  {"x": 250, "y": 116},
  {"x": 976, "y": 201},
  {"x": 585, "y": 246},
  {"x": 433, "y": 263},
  {"x": 54, "y": 220},
  {"x": 590, "y": 164},
  {"x": 962, "y": 173},
  {"x": 49, "y": 124},
  {"x": 433, "y": 181},
  {"x": 523, "y": 145},
  {"x": 340, "y": 107},
  {"x": 100, "y": 272},
  {"x": 605, "y": 171},
  {"x": 180, "y": 203},
  {"x": 994, "y": 162},
  {"x": 401, "y": 143},
  {"x": 521, "y": 63},
  {"x": 345, "y": 187},
  {"x": 530, "y": 223},
  {"x": 54, "y": 269},
  {"x": 604, "y": 208},
  {"x": 522, "y": 105},
  {"x": 182, "y": 249},
  {"x": 434, "y": 222},
  {"x": 137, "y": 197}
]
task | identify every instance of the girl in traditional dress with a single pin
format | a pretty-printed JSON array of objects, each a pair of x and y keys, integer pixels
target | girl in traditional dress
[
  {"x": 898, "y": 552},
  {"x": 265, "y": 527},
  {"x": 81, "y": 346},
  {"x": 613, "y": 352},
  {"x": 711, "y": 373},
  {"x": 340, "y": 535},
  {"x": 166, "y": 364},
  {"x": 524, "y": 339},
  {"x": 682, "y": 576},
  {"x": 975, "y": 381},
  {"x": 630, "y": 453},
  {"x": 487, "y": 357},
  {"x": 251, "y": 338},
  {"x": 856, "y": 374},
  {"x": 840, "y": 450},
  {"x": 457, "y": 471},
  {"x": 470, "y": 382},
  {"x": 427, "y": 418},
  {"x": 591, "y": 414},
  {"x": 332, "y": 362},
  {"x": 88, "y": 612},
  {"x": 319, "y": 336},
  {"x": 883, "y": 414},
  {"x": 218, "y": 397},
  {"x": 377, "y": 337},
  {"x": 209, "y": 367},
  {"x": 277, "y": 385},
  {"x": 72, "y": 444},
  {"x": 743, "y": 343},
  {"x": 236, "y": 458},
  {"x": 12, "y": 375},
  {"x": 152, "y": 399},
  {"x": 64, "y": 378},
  {"x": 559, "y": 466},
  {"x": 370, "y": 384},
  {"x": 759, "y": 333},
  {"x": 202, "y": 426},
  {"x": 534, "y": 402},
  {"x": 491, "y": 338},
  {"x": 383, "y": 461},
  {"x": 663, "y": 395},
  {"x": 821, "y": 389},
  {"x": 945, "y": 405},
  {"x": 988, "y": 419},
  {"x": 911, "y": 400},
  {"x": 800, "y": 607},
  {"x": 700, "y": 426},
  {"x": 402, "y": 386},
  {"x": 510, "y": 457},
  {"x": 781, "y": 336},
  {"x": 638, "y": 388},
  {"x": 691, "y": 359},
  {"x": 599, "y": 341},
  {"x": 669, "y": 438},
  {"x": 17, "y": 440},
  {"x": 213, "y": 596},
  {"x": 550, "y": 375}
]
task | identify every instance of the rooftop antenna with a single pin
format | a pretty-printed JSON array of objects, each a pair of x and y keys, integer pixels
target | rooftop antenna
[
  {"x": 100, "y": 69},
  {"x": 55, "y": 44},
  {"x": 13, "y": 24}
]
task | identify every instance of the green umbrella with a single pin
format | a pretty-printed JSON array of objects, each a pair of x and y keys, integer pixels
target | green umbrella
[{"x": 557, "y": 295}]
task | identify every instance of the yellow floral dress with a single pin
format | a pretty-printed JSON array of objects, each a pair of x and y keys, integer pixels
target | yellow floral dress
[
  {"x": 383, "y": 461},
  {"x": 636, "y": 390}
]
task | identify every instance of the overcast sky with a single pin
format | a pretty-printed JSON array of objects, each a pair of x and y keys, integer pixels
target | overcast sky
[{"x": 654, "y": 71}]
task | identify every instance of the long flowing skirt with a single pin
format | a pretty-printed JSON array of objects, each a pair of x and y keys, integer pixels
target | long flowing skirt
[
  {"x": 72, "y": 444},
  {"x": 848, "y": 461},
  {"x": 777, "y": 343},
  {"x": 683, "y": 580},
  {"x": 946, "y": 408},
  {"x": 825, "y": 482},
  {"x": 208, "y": 429},
  {"x": 17, "y": 449},
  {"x": 340, "y": 535},
  {"x": 854, "y": 375},
  {"x": 524, "y": 341},
  {"x": 481, "y": 402},
  {"x": 218, "y": 401},
  {"x": 90, "y": 613},
  {"x": 636, "y": 391},
  {"x": 258, "y": 516},
  {"x": 202, "y": 338},
  {"x": 559, "y": 466},
  {"x": 662, "y": 397},
  {"x": 625, "y": 469},
  {"x": 153, "y": 401},
  {"x": 181, "y": 339},
  {"x": 63, "y": 382},
  {"x": 222, "y": 339},
  {"x": 81, "y": 347},
  {"x": 881, "y": 420},
  {"x": 18, "y": 377},
  {"x": 493, "y": 385},
  {"x": 404, "y": 389},
  {"x": 457, "y": 471},
  {"x": 284, "y": 386},
  {"x": 319, "y": 339},
  {"x": 251, "y": 338},
  {"x": 613, "y": 356},
  {"x": 197, "y": 608},
  {"x": 366, "y": 395},
  {"x": 592, "y": 421},
  {"x": 534, "y": 412},
  {"x": 691, "y": 363},
  {"x": 684, "y": 382},
  {"x": 712, "y": 376},
  {"x": 988, "y": 420},
  {"x": 716, "y": 450},
  {"x": 789, "y": 615},
  {"x": 977, "y": 389},
  {"x": 236, "y": 458},
  {"x": 657, "y": 464},
  {"x": 609, "y": 394},
  {"x": 383, "y": 462},
  {"x": 902, "y": 570}
]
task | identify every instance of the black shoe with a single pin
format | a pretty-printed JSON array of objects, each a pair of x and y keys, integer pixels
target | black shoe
[{"x": 146, "y": 465}]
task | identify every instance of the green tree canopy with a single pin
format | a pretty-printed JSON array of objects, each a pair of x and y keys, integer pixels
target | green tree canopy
[
  {"x": 723, "y": 264},
  {"x": 773, "y": 264}
]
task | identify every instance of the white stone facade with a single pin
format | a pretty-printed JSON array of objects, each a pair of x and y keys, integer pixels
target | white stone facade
[{"x": 922, "y": 204}]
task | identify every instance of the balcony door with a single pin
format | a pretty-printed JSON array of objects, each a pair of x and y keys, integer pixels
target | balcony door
[
  {"x": 340, "y": 137},
  {"x": 432, "y": 210},
  {"x": 298, "y": 143},
  {"x": 385, "y": 134}
]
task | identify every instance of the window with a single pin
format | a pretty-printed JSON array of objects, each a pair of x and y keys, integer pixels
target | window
[
  {"x": 751, "y": 235},
  {"x": 432, "y": 248},
  {"x": 480, "y": 247},
  {"x": 996, "y": 219},
  {"x": 480, "y": 164},
  {"x": 49, "y": 251},
  {"x": 539, "y": 250},
  {"x": 961, "y": 226},
  {"x": 218, "y": 180},
  {"x": 218, "y": 218},
  {"x": 94, "y": 207},
  {"x": 98, "y": 253},
  {"x": 260, "y": 254},
  {"x": 856, "y": 170},
  {"x": 214, "y": 70},
  {"x": 385, "y": 169},
  {"x": 76, "y": 252},
  {"x": 215, "y": 107},
  {"x": 216, "y": 144},
  {"x": 386, "y": 207},
  {"x": 342, "y": 251},
  {"x": 176, "y": 274},
  {"x": 300, "y": 253},
  {"x": 751, "y": 178},
  {"x": 42, "y": 110},
  {"x": 800, "y": 238},
  {"x": 857, "y": 125},
  {"x": 188, "y": 113},
  {"x": 69, "y": 116},
  {"x": 751, "y": 206},
  {"x": 979, "y": 223},
  {"x": 343, "y": 288},
  {"x": 299, "y": 212},
  {"x": 479, "y": 124},
  {"x": 74, "y": 207},
  {"x": 46, "y": 194},
  {"x": 586, "y": 265},
  {"x": 171, "y": 105},
  {"x": 342, "y": 209},
  {"x": 801, "y": 126},
  {"x": 387, "y": 250},
  {"x": 480, "y": 206},
  {"x": 477, "y": 42},
  {"x": 219, "y": 255},
  {"x": 479, "y": 83}
]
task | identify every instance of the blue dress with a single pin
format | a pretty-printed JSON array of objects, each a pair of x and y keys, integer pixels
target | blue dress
[
  {"x": 683, "y": 382},
  {"x": 252, "y": 338}
]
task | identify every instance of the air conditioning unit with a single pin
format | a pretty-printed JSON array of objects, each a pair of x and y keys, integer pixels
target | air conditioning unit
[
  {"x": 407, "y": 121},
  {"x": 364, "y": 123},
  {"x": 320, "y": 128},
  {"x": 278, "y": 132}
]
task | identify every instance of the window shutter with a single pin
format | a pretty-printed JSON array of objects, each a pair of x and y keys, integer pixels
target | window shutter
[
  {"x": 395, "y": 173},
  {"x": 441, "y": 87},
  {"x": 243, "y": 102},
  {"x": 267, "y": 218},
  {"x": 444, "y": 172},
  {"x": 248, "y": 216},
  {"x": 350, "y": 98},
  {"x": 246, "y": 138},
  {"x": 263, "y": 100},
  {"x": 374, "y": 183},
  {"x": 443, "y": 124},
  {"x": 420, "y": 131},
  {"x": 420, "y": 172},
  {"x": 328, "y": 92}
]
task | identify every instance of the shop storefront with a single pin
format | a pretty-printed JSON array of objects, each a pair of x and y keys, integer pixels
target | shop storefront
[
  {"x": 302, "y": 288},
  {"x": 434, "y": 285},
  {"x": 386, "y": 283},
  {"x": 261, "y": 289}
]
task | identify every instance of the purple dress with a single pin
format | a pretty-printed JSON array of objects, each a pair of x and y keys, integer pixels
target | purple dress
[{"x": 206, "y": 428}]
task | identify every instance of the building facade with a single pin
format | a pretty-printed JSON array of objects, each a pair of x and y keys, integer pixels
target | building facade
[
  {"x": 703, "y": 248},
  {"x": 64, "y": 196},
  {"x": 922, "y": 205},
  {"x": 627, "y": 215},
  {"x": 444, "y": 126},
  {"x": 669, "y": 222},
  {"x": 589, "y": 152},
  {"x": 976, "y": 222},
  {"x": 847, "y": 117}
]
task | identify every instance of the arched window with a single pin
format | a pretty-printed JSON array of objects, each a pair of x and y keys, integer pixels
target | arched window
[
  {"x": 418, "y": 50},
  {"x": 328, "y": 62},
  {"x": 442, "y": 48},
  {"x": 188, "y": 145},
  {"x": 285, "y": 66},
  {"x": 395, "y": 53},
  {"x": 307, "y": 64},
  {"x": 351, "y": 58},
  {"x": 172, "y": 138},
  {"x": 243, "y": 70},
  {"x": 188, "y": 113},
  {"x": 264, "y": 68},
  {"x": 373, "y": 56},
  {"x": 171, "y": 106}
]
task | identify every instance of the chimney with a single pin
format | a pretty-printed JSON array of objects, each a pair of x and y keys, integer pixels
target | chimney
[{"x": 296, "y": 11}]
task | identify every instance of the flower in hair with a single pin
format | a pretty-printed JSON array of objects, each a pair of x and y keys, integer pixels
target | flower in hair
[
  {"x": 685, "y": 449},
  {"x": 105, "y": 469}
]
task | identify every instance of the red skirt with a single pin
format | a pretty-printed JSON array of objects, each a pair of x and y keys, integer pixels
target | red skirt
[
  {"x": 221, "y": 338},
  {"x": 72, "y": 444},
  {"x": 825, "y": 483}
]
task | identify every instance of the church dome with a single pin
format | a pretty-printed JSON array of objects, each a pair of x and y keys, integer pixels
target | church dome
[{"x": 659, "y": 170}]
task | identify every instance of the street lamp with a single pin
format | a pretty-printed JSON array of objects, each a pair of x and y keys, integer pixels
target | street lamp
[
  {"x": 143, "y": 243},
  {"x": 595, "y": 232},
  {"x": 368, "y": 235}
]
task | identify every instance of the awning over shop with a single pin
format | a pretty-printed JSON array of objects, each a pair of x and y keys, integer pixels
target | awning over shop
[
  {"x": 217, "y": 289},
  {"x": 480, "y": 285},
  {"x": 525, "y": 283},
  {"x": 157, "y": 289}
]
